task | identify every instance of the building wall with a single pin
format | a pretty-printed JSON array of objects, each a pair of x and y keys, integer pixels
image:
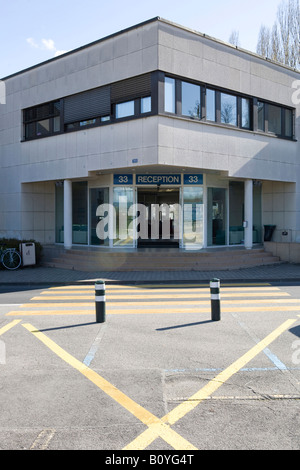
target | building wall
[{"x": 29, "y": 169}]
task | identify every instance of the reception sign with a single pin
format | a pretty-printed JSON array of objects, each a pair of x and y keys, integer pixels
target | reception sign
[{"x": 158, "y": 179}]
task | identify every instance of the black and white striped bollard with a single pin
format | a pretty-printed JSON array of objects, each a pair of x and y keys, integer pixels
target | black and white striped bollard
[
  {"x": 215, "y": 299},
  {"x": 100, "y": 301}
]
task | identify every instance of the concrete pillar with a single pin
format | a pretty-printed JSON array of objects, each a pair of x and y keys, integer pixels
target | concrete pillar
[
  {"x": 67, "y": 214},
  {"x": 248, "y": 222}
]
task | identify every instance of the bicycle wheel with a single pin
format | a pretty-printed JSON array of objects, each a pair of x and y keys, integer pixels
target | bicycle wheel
[{"x": 11, "y": 259}]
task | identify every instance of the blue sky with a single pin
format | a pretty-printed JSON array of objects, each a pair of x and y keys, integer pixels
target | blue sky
[{"x": 33, "y": 31}]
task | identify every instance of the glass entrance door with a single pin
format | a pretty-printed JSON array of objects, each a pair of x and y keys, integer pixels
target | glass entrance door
[
  {"x": 216, "y": 216},
  {"x": 99, "y": 197},
  {"x": 159, "y": 217}
]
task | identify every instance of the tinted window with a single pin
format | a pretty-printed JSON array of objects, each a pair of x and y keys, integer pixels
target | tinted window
[
  {"x": 288, "y": 123},
  {"x": 146, "y": 105},
  {"x": 125, "y": 109},
  {"x": 260, "y": 116},
  {"x": 191, "y": 100},
  {"x": 274, "y": 119},
  {"x": 245, "y": 113},
  {"x": 228, "y": 109},
  {"x": 169, "y": 95},
  {"x": 210, "y": 105}
]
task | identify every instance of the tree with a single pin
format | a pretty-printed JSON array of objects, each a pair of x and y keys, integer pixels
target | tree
[
  {"x": 282, "y": 42},
  {"x": 234, "y": 38}
]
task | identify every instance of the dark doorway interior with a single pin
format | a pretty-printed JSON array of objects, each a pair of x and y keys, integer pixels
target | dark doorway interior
[{"x": 155, "y": 215}]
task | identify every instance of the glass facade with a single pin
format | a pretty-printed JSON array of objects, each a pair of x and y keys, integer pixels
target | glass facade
[
  {"x": 123, "y": 220},
  {"x": 236, "y": 212},
  {"x": 79, "y": 211},
  {"x": 188, "y": 214},
  {"x": 99, "y": 216},
  {"x": 216, "y": 216},
  {"x": 193, "y": 229}
]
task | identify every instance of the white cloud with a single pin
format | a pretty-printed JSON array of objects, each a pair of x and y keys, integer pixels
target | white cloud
[
  {"x": 45, "y": 44},
  {"x": 49, "y": 44},
  {"x": 32, "y": 42}
]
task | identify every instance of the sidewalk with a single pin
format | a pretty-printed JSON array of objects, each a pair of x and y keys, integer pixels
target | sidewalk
[{"x": 43, "y": 275}]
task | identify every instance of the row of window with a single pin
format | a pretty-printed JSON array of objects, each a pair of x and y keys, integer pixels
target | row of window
[
  {"x": 212, "y": 105},
  {"x": 122, "y": 110},
  {"x": 36, "y": 127},
  {"x": 134, "y": 98}
]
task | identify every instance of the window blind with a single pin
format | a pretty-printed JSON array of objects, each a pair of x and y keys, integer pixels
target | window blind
[{"x": 87, "y": 105}]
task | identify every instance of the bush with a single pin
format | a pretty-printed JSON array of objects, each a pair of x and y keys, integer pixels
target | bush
[{"x": 14, "y": 243}]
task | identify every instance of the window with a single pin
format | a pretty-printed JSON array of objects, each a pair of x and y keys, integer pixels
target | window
[
  {"x": 43, "y": 127},
  {"x": 288, "y": 131},
  {"x": 169, "y": 95},
  {"x": 228, "y": 109},
  {"x": 245, "y": 113},
  {"x": 79, "y": 212},
  {"x": 146, "y": 105},
  {"x": 42, "y": 120},
  {"x": 274, "y": 119},
  {"x": 210, "y": 105},
  {"x": 124, "y": 109},
  {"x": 90, "y": 122},
  {"x": 261, "y": 116},
  {"x": 191, "y": 100}
]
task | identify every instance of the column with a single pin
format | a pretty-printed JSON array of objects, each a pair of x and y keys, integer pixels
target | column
[
  {"x": 248, "y": 222},
  {"x": 67, "y": 214}
]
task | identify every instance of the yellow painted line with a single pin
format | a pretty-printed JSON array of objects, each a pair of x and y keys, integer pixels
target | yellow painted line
[
  {"x": 157, "y": 427},
  {"x": 145, "y": 439},
  {"x": 10, "y": 325},
  {"x": 159, "y": 286},
  {"x": 157, "y": 296},
  {"x": 155, "y": 291},
  {"x": 58, "y": 304},
  {"x": 49, "y": 312},
  {"x": 149, "y": 304},
  {"x": 151, "y": 311}
]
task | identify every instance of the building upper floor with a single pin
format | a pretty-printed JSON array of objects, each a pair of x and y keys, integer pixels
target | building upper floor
[{"x": 156, "y": 68}]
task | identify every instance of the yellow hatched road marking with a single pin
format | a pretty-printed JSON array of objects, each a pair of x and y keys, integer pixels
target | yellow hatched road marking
[
  {"x": 158, "y": 427},
  {"x": 144, "y": 311},
  {"x": 172, "y": 302},
  {"x": 117, "y": 287},
  {"x": 10, "y": 325},
  {"x": 156, "y": 291},
  {"x": 44, "y": 296},
  {"x": 148, "y": 436}
]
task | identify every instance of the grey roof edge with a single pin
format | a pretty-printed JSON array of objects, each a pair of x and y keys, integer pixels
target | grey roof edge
[
  {"x": 139, "y": 25},
  {"x": 224, "y": 43}
]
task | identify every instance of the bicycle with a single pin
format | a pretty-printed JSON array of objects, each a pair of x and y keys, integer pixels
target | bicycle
[{"x": 10, "y": 258}]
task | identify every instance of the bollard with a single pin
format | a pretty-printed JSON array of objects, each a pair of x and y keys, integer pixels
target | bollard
[
  {"x": 215, "y": 299},
  {"x": 100, "y": 301}
]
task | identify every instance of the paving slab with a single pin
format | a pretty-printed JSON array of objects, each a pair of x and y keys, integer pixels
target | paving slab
[{"x": 47, "y": 275}]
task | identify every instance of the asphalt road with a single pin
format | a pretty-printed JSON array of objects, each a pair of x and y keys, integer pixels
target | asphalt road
[{"x": 157, "y": 375}]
